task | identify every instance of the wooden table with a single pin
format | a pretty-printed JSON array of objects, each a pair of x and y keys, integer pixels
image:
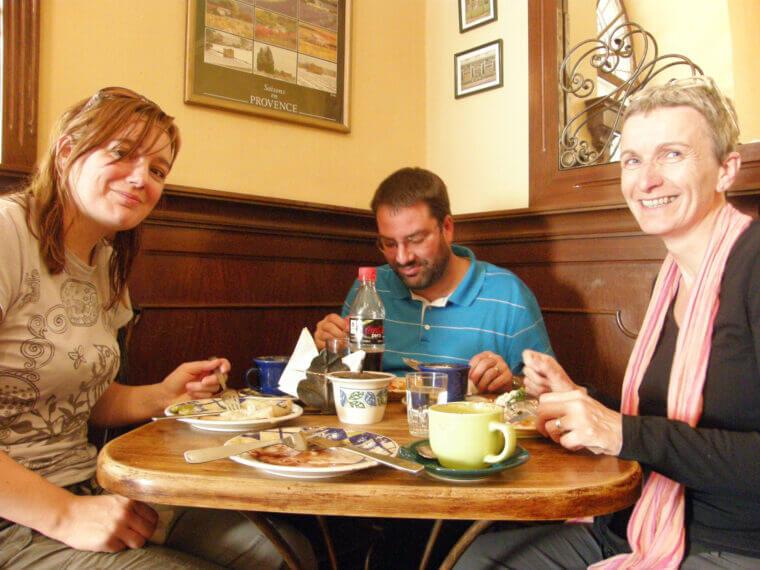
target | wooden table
[{"x": 555, "y": 484}]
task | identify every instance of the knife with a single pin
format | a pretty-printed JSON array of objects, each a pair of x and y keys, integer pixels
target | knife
[
  {"x": 205, "y": 454},
  {"x": 183, "y": 416},
  {"x": 388, "y": 460}
]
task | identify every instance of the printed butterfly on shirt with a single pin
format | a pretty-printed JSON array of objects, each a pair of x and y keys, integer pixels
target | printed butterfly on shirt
[{"x": 77, "y": 355}]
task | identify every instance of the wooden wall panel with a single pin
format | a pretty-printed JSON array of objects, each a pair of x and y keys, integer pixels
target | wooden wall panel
[
  {"x": 593, "y": 300},
  {"x": 20, "y": 58},
  {"x": 165, "y": 337},
  {"x": 222, "y": 275},
  {"x": 592, "y": 272}
]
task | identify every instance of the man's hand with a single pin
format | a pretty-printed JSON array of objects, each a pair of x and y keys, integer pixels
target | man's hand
[
  {"x": 490, "y": 373},
  {"x": 544, "y": 374},
  {"x": 198, "y": 379},
  {"x": 105, "y": 523},
  {"x": 575, "y": 420},
  {"x": 332, "y": 326}
]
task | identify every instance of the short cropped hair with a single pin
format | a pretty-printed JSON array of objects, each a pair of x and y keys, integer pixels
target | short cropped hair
[
  {"x": 409, "y": 186},
  {"x": 701, "y": 94}
]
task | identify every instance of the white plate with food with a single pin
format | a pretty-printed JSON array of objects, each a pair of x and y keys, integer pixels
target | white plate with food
[
  {"x": 313, "y": 463},
  {"x": 520, "y": 411},
  {"x": 397, "y": 389},
  {"x": 525, "y": 426},
  {"x": 255, "y": 413}
]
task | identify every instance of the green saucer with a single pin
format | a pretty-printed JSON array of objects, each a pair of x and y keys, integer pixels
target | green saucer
[{"x": 436, "y": 470}]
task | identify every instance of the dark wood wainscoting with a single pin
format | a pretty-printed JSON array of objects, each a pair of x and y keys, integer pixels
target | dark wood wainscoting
[
  {"x": 227, "y": 275},
  {"x": 592, "y": 272},
  {"x": 224, "y": 274}
]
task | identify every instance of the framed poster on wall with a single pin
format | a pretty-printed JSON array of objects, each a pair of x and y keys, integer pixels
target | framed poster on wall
[
  {"x": 474, "y": 13},
  {"x": 478, "y": 69},
  {"x": 285, "y": 59}
]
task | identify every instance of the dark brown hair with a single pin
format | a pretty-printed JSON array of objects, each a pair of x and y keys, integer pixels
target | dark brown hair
[
  {"x": 85, "y": 126},
  {"x": 409, "y": 186}
]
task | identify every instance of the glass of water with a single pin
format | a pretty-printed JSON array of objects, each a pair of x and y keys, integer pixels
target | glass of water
[{"x": 423, "y": 389}]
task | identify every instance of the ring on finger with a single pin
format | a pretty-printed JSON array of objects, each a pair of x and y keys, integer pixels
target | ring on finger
[{"x": 558, "y": 424}]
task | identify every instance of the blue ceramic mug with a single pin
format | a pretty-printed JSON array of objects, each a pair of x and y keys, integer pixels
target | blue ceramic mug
[
  {"x": 457, "y": 373},
  {"x": 264, "y": 376}
]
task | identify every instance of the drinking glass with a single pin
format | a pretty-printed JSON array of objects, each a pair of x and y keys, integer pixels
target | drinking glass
[
  {"x": 338, "y": 346},
  {"x": 423, "y": 389}
]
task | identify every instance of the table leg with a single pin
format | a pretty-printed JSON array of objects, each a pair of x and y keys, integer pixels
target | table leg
[
  {"x": 268, "y": 530},
  {"x": 327, "y": 537},
  {"x": 461, "y": 545},
  {"x": 434, "y": 532}
]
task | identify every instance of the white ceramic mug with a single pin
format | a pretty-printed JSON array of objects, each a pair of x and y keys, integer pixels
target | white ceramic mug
[{"x": 360, "y": 397}]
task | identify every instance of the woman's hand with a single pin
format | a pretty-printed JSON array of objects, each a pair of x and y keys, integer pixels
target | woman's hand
[
  {"x": 105, "y": 523},
  {"x": 576, "y": 421},
  {"x": 544, "y": 374},
  {"x": 196, "y": 379}
]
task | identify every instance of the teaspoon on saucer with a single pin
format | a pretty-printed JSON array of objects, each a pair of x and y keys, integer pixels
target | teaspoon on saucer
[{"x": 424, "y": 450}]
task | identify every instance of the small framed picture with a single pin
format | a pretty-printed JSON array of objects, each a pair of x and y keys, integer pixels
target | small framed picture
[
  {"x": 478, "y": 69},
  {"x": 474, "y": 13}
]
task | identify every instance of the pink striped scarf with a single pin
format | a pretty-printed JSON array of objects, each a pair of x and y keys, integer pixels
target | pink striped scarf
[{"x": 656, "y": 528}]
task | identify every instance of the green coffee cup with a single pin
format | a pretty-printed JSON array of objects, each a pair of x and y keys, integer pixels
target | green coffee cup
[{"x": 470, "y": 435}]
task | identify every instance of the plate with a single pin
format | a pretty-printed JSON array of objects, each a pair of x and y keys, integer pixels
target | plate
[
  {"x": 314, "y": 464},
  {"x": 437, "y": 471},
  {"x": 526, "y": 427},
  {"x": 397, "y": 389},
  {"x": 222, "y": 424}
]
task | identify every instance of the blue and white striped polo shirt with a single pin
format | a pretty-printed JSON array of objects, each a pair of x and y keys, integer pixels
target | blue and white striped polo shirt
[{"x": 491, "y": 309}]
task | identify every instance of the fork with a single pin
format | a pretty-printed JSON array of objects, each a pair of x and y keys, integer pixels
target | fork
[{"x": 230, "y": 397}]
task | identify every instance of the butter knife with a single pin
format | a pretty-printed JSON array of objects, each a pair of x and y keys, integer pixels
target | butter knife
[
  {"x": 183, "y": 416},
  {"x": 205, "y": 454}
]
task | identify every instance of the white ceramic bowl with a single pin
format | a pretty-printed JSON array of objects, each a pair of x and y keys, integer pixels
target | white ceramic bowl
[{"x": 360, "y": 397}]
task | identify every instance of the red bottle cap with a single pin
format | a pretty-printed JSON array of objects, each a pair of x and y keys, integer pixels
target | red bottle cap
[{"x": 367, "y": 273}]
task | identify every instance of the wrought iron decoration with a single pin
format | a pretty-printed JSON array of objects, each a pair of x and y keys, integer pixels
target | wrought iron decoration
[{"x": 608, "y": 57}]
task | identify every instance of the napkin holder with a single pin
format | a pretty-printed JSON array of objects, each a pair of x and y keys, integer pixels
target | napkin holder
[{"x": 316, "y": 390}]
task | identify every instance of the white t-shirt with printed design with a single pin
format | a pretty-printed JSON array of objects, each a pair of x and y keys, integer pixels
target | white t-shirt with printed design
[{"x": 58, "y": 352}]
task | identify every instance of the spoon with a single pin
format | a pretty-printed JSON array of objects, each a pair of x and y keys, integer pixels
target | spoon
[
  {"x": 424, "y": 450},
  {"x": 412, "y": 363}
]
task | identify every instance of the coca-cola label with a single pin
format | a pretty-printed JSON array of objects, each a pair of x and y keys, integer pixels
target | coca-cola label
[{"x": 364, "y": 332}]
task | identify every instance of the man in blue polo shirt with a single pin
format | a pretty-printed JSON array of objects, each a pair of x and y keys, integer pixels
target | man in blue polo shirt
[{"x": 442, "y": 304}]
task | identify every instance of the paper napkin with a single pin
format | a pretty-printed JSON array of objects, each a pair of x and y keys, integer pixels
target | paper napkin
[
  {"x": 300, "y": 360},
  {"x": 354, "y": 360}
]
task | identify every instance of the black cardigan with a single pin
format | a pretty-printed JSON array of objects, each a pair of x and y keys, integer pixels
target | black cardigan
[{"x": 719, "y": 460}]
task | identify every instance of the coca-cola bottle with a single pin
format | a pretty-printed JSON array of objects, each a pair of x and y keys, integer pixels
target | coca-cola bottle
[{"x": 366, "y": 321}]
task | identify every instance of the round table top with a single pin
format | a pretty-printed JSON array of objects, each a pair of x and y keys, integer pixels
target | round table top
[{"x": 147, "y": 464}]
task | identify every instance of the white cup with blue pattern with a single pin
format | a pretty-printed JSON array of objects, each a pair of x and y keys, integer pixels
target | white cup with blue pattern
[{"x": 360, "y": 397}]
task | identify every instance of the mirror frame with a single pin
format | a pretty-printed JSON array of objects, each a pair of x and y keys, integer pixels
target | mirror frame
[
  {"x": 587, "y": 186},
  {"x": 20, "y": 75}
]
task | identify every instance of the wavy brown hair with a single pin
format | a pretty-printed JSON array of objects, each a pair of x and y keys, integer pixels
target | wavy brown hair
[{"x": 87, "y": 125}]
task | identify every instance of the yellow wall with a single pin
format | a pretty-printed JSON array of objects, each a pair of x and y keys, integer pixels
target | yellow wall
[
  {"x": 744, "y": 16},
  {"x": 478, "y": 144},
  {"x": 403, "y": 110},
  {"x": 698, "y": 29},
  {"x": 88, "y": 44},
  {"x": 719, "y": 36}
]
